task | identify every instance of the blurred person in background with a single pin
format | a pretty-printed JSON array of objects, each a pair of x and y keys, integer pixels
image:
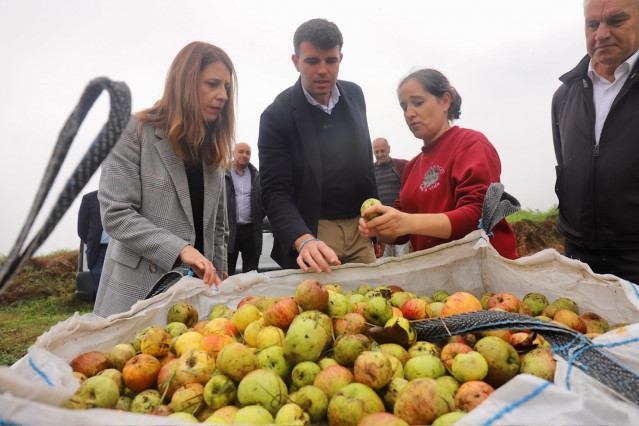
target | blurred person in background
[
  {"x": 245, "y": 212},
  {"x": 443, "y": 188},
  {"x": 162, "y": 194},
  {"x": 388, "y": 174},
  {"x": 93, "y": 236}
]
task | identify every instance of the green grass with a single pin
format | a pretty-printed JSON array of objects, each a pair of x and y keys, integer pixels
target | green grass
[
  {"x": 533, "y": 215},
  {"x": 22, "y": 322},
  {"x": 42, "y": 295}
]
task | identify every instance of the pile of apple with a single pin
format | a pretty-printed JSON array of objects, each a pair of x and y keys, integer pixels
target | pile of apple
[{"x": 315, "y": 357}]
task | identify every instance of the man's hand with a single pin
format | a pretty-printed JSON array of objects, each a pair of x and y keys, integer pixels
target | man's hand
[
  {"x": 202, "y": 267},
  {"x": 315, "y": 254}
]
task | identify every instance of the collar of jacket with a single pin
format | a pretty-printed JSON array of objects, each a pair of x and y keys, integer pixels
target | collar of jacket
[{"x": 581, "y": 71}]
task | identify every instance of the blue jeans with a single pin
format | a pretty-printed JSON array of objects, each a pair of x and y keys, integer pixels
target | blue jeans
[{"x": 400, "y": 250}]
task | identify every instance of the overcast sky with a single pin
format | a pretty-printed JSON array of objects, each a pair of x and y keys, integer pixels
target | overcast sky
[{"x": 503, "y": 56}]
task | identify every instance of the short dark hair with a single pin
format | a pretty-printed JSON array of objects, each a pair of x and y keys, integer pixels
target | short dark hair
[
  {"x": 436, "y": 83},
  {"x": 320, "y": 33}
]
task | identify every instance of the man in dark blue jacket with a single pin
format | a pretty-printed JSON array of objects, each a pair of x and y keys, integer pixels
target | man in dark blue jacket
[
  {"x": 316, "y": 161},
  {"x": 92, "y": 235},
  {"x": 244, "y": 209},
  {"x": 595, "y": 118}
]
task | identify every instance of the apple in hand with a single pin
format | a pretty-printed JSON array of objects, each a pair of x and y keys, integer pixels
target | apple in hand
[{"x": 368, "y": 203}]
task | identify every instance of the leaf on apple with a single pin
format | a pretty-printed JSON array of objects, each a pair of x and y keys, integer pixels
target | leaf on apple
[{"x": 392, "y": 334}]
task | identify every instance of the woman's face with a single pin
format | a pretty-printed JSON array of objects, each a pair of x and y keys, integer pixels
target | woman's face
[
  {"x": 214, "y": 87},
  {"x": 425, "y": 114}
]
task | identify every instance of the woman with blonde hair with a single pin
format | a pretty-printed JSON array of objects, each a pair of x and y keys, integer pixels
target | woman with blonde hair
[{"x": 161, "y": 192}]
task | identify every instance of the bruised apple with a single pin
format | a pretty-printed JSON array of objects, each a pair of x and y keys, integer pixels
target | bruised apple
[
  {"x": 141, "y": 372},
  {"x": 471, "y": 394},
  {"x": 352, "y": 403},
  {"x": 90, "y": 363},
  {"x": 419, "y": 402},
  {"x": 183, "y": 312}
]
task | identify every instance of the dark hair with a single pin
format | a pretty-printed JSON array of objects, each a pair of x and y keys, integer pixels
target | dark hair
[
  {"x": 320, "y": 33},
  {"x": 436, "y": 83},
  {"x": 178, "y": 112}
]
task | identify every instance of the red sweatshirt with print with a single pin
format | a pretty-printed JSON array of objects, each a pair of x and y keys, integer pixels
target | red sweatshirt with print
[{"x": 451, "y": 176}]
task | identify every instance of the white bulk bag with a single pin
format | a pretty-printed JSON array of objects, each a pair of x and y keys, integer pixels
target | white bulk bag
[{"x": 42, "y": 379}]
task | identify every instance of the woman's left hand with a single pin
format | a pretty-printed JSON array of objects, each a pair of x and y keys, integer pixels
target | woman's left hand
[{"x": 202, "y": 267}]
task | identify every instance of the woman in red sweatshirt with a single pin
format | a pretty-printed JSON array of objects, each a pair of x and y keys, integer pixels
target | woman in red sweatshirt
[{"x": 443, "y": 187}]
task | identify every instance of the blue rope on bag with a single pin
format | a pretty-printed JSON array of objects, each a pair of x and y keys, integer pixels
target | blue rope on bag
[
  {"x": 578, "y": 350},
  {"x": 118, "y": 117},
  {"x": 516, "y": 404}
]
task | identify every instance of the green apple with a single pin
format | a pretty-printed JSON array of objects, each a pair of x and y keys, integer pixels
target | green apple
[
  {"x": 313, "y": 400},
  {"x": 469, "y": 366},
  {"x": 352, "y": 403},
  {"x": 368, "y": 203},
  {"x": 292, "y": 414},
  {"x": 262, "y": 387},
  {"x": 502, "y": 359},
  {"x": 537, "y": 302},
  {"x": 304, "y": 373},
  {"x": 219, "y": 391},
  {"x": 99, "y": 392},
  {"x": 424, "y": 366}
]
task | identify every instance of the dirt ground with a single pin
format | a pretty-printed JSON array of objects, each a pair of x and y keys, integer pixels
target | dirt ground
[
  {"x": 536, "y": 236},
  {"x": 41, "y": 272}
]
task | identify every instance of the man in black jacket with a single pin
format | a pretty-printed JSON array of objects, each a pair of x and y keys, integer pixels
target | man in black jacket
[
  {"x": 316, "y": 160},
  {"x": 595, "y": 119},
  {"x": 244, "y": 209},
  {"x": 92, "y": 235}
]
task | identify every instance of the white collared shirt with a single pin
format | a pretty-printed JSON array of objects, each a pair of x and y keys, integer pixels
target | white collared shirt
[
  {"x": 331, "y": 102},
  {"x": 604, "y": 92}
]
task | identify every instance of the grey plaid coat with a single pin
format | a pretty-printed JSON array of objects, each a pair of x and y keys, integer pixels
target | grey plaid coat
[{"x": 146, "y": 209}]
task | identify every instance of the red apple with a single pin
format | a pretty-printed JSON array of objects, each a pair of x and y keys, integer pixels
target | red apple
[
  {"x": 351, "y": 323},
  {"x": 471, "y": 394},
  {"x": 416, "y": 309},
  {"x": 450, "y": 350},
  {"x": 282, "y": 313},
  {"x": 311, "y": 295}
]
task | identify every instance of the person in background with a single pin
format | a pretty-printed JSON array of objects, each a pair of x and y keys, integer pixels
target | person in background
[
  {"x": 443, "y": 187},
  {"x": 316, "y": 161},
  {"x": 245, "y": 212},
  {"x": 388, "y": 174},
  {"x": 162, "y": 195},
  {"x": 92, "y": 235},
  {"x": 595, "y": 126}
]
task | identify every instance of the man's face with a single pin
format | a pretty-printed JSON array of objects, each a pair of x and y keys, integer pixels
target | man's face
[
  {"x": 318, "y": 69},
  {"x": 241, "y": 155},
  {"x": 612, "y": 31},
  {"x": 381, "y": 151}
]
